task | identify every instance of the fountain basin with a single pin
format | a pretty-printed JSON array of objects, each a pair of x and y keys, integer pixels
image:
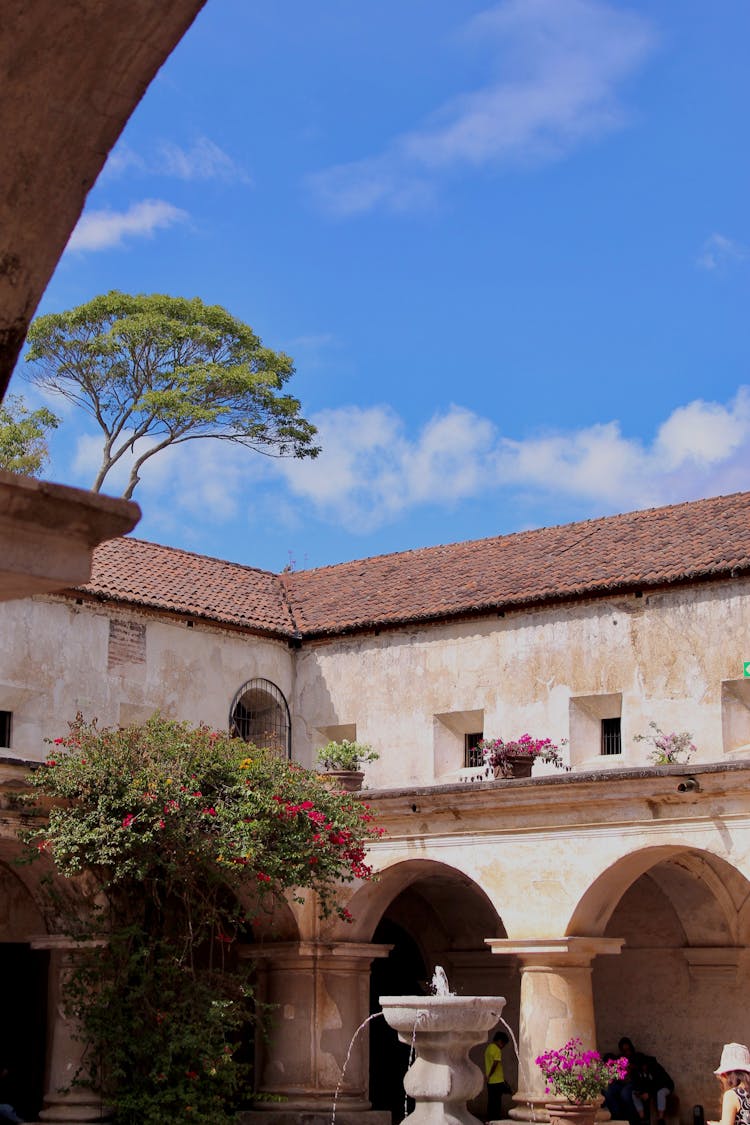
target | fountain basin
[
  {"x": 443, "y": 1013},
  {"x": 442, "y": 1030}
]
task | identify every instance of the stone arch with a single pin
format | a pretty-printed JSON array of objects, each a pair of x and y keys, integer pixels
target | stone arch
[
  {"x": 680, "y": 872},
  {"x": 93, "y": 62},
  {"x": 430, "y": 914},
  {"x": 676, "y": 988},
  {"x": 439, "y": 885}
]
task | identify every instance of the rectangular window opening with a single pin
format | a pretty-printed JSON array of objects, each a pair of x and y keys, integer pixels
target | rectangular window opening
[
  {"x": 611, "y": 737},
  {"x": 5, "y": 723},
  {"x": 472, "y": 753}
]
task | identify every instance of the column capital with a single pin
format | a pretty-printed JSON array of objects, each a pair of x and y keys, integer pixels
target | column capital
[
  {"x": 571, "y": 951},
  {"x": 64, "y": 943},
  {"x": 301, "y": 953}
]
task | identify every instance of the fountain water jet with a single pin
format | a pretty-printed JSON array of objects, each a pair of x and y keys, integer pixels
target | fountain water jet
[{"x": 443, "y": 1029}]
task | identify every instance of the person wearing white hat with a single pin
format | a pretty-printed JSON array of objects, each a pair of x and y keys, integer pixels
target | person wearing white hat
[{"x": 733, "y": 1073}]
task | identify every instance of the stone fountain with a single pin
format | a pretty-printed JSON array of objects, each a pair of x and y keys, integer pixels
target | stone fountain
[{"x": 442, "y": 1029}]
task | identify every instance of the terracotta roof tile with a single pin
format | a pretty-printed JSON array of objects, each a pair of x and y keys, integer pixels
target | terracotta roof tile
[
  {"x": 132, "y": 570},
  {"x": 645, "y": 548},
  {"x": 640, "y": 549}
]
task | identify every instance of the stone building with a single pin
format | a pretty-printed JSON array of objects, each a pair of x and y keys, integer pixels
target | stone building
[{"x": 610, "y": 899}]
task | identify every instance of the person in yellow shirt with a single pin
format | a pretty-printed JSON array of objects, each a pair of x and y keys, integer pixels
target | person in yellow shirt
[{"x": 495, "y": 1074}]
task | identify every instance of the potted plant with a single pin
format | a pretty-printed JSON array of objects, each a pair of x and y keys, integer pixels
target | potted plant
[
  {"x": 668, "y": 749},
  {"x": 578, "y": 1079},
  {"x": 341, "y": 761},
  {"x": 516, "y": 758}
]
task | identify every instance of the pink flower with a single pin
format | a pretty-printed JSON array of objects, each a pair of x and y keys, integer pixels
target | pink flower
[{"x": 128, "y": 820}]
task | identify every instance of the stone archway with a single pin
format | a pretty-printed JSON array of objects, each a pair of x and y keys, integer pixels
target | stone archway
[
  {"x": 677, "y": 987},
  {"x": 430, "y": 914}
]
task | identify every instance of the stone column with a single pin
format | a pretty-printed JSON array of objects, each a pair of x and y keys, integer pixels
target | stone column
[
  {"x": 73, "y": 1105},
  {"x": 557, "y": 1004},
  {"x": 320, "y": 993}
]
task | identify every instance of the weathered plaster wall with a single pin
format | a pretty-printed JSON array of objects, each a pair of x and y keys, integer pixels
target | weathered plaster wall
[
  {"x": 120, "y": 667},
  {"x": 413, "y": 693}
]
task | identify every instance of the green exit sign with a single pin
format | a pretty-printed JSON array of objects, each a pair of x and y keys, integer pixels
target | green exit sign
[{"x": 746, "y": 669}]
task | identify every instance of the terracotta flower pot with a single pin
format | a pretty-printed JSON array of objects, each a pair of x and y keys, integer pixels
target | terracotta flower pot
[
  {"x": 350, "y": 781},
  {"x": 518, "y": 765},
  {"x": 563, "y": 1113}
]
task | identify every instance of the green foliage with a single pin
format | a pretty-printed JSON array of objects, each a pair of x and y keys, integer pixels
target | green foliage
[
  {"x": 23, "y": 436},
  {"x": 183, "y": 835},
  {"x": 346, "y": 755},
  {"x": 162, "y": 370}
]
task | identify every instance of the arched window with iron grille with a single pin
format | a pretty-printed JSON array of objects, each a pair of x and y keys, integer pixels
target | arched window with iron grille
[{"x": 260, "y": 714}]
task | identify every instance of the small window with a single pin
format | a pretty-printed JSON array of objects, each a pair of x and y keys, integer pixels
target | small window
[
  {"x": 472, "y": 753},
  {"x": 611, "y": 737},
  {"x": 260, "y": 714},
  {"x": 5, "y": 722}
]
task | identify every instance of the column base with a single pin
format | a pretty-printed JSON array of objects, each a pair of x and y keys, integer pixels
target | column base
[{"x": 282, "y": 1116}]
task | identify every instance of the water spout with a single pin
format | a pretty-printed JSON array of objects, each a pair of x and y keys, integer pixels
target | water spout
[
  {"x": 346, "y": 1063},
  {"x": 439, "y": 983}
]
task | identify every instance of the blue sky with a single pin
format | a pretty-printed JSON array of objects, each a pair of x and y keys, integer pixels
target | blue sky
[{"x": 506, "y": 244}]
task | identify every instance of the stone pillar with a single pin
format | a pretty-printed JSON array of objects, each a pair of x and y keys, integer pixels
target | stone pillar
[
  {"x": 73, "y": 1105},
  {"x": 557, "y": 1004},
  {"x": 320, "y": 993}
]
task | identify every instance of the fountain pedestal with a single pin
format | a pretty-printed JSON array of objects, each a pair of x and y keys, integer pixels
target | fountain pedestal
[{"x": 442, "y": 1030}]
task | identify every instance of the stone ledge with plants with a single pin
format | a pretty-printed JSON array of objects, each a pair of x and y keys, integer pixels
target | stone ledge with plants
[
  {"x": 342, "y": 762},
  {"x": 516, "y": 757}
]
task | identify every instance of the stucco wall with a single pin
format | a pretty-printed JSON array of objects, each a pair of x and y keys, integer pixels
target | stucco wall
[
  {"x": 413, "y": 693},
  {"x": 120, "y": 666}
]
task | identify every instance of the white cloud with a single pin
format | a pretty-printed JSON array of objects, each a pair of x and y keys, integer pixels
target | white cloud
[
  {"x": 561, "y": 63},
  {"x": 372, "y": 471},
  {"x": 719, "y": 251},
  {"x": 103, "y": 229},
  {"x": 203, "y": 160}
]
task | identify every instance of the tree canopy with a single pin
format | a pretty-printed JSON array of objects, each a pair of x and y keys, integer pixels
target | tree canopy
[
  {"x": 23, "y": 436},
  {"x": 155, "y": 371}
]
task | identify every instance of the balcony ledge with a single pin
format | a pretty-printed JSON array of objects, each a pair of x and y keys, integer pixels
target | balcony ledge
[{"x": 48, "y": 533}]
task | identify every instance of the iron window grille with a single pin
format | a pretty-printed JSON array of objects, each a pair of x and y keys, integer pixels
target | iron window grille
[
  {"x": 472, "y": 753},
  {"x": 611, "y": 737},
  {"x": 260, "y": 714}
]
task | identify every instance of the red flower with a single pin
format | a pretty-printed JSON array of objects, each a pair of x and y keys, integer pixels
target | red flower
[
  {"x": 128, "y": 820},
  {"x": 209, "y": 811},
  {"x": 263, "y": 878}
]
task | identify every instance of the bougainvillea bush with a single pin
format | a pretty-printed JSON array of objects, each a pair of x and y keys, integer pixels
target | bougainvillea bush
[{"x": 177, "y": 838}]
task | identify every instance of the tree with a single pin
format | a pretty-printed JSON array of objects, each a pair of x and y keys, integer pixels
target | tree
[
  {"x": 171, "y": 841},
  {"x": 23, "y": 436},
  {"x": 155, "y": 371}
]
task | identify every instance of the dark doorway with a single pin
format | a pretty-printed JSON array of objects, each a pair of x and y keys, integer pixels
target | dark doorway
[
  {"x": 23, "y": 1035},
  {"x": 401, "y": 973}
]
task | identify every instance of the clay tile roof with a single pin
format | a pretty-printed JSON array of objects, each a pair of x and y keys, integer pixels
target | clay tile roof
[
  {"x": 640, "y": 549},
  {"x": 131, "y": 570},
  {"x": 658, "y": 547}
]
